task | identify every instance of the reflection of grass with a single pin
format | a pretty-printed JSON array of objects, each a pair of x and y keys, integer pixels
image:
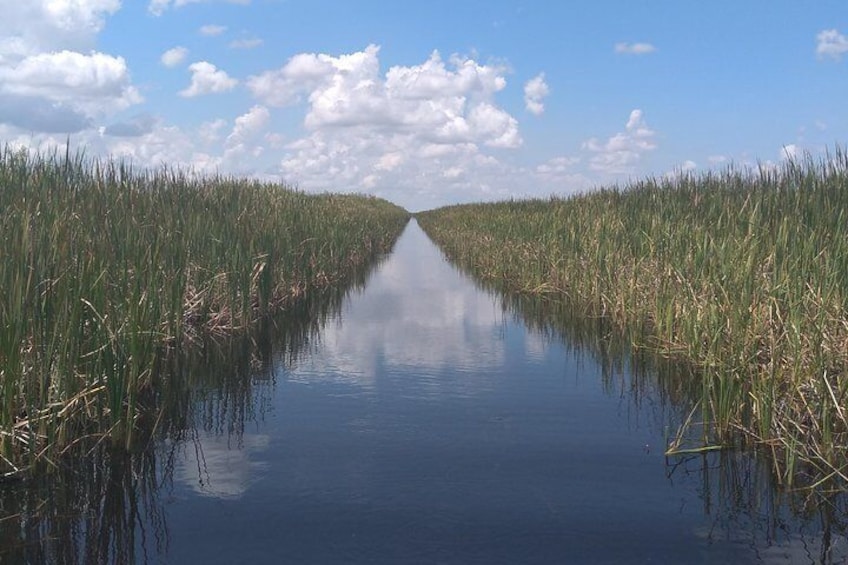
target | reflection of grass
[
  {"x": 96, "y": 510},
  {"x": 111, "y": 506},
  {"x": 107, "y": 271},
  {"x": 744, "y": 274}
]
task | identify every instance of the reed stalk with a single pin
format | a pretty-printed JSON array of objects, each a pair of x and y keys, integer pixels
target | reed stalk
[
  {"x": 743, "y": 273},
  {"x": 107, "y": 270}
]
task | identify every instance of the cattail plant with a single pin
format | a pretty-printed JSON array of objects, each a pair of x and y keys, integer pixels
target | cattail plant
[
  {"x": 742, "y": 273},
  {"x": 107, "y": 269}
]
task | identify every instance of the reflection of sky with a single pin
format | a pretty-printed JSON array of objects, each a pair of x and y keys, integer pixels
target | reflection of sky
[
  {"x": 214, "y": 465},
  {"x": 416, "y": 311},
  {"x": 427, "y": 422}
]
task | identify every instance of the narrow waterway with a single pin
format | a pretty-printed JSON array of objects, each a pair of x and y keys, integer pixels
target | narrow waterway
[{"x": 426, "y": 423}]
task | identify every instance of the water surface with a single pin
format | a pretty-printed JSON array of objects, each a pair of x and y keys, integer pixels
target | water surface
[{"x": 426, "y": 423}]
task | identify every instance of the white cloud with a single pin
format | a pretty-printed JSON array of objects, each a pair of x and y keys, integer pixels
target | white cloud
[
  {"x": 245, "y": 43},
  {"x": 430, "y": 101},
  {"x": 557, "y": 165},
  {"x": 174, "y": 56},
  {"x": 623, "y": 150},
  {"x": 249, "y": 123},
  {"x": 558, "y": 175},
  {"x": 93, "y": 83},
  {"x": 494, "y": 126},
  {"x": 717, "y": 159},
  {"x": 214, "y": 468},
  {"x": 634, "y": 48},
  {"x": 37, "y": 26},
  {"x": 535, "y": 92},
  {"x": 245, "y": 139},
  {"x": 433, "y": 79},
  {"x": 395, "y": 166},
  {"x": 789, "y": 152},
  {"x": 301, "y": 74},
  {"x": 453, "y": 328},
  {"x": 210, "y": 132},
  {"x": 163, "y": 144},
  {"x": 831, "y": 43},
  {"x": 64, "y": 74},
  {"x": 158, "y": 7},
  {"x": 139, "y": 125},
  {"x": 211, "y": 30},
  {"x": 409, "y": 133},
  {"x": 207, "y": 79},
  {"x": 51, "y": 77},
  {"x": 682, "y": 170},
  {"x": 389, "y": 161}
]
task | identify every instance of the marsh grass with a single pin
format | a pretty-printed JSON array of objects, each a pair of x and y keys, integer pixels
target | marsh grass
[
  {"x": 111, "y": 505},
  {"x": 108, "y": 271},
  {"x": 742, "y": 273}
]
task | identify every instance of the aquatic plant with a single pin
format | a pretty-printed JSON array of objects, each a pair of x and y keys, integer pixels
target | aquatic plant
[
  {"x": 743, "y": 273},
  {"x": 107, "y": 271}
]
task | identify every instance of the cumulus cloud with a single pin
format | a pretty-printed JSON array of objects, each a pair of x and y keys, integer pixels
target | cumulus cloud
[
  {"x": 135, "y": 127},
  {"x": 92, "y": 83},
  {"x": 210, "y": 132},
  {"x": 211, "y": 30},
  {"x": 249, "y": 123},
  {"x": 158, "y": 7},
  {"x": 831, "y": 43},
  {"x": 65, "y": 73},
  {"x": 174, "y": 56},
  {"x": 432, "y": 101},
  {"x": 683, "y": 170},
  {"x": 634, "y": 48},
  {"x": 622, "y": 151},
  {"x": 789, "y": 152},
  {"x": 245, "y": 138},
  {"x": 301, "y": 74},
  {"x": 245, "y": 43},
  {"x": 412, "y": 132},
  {"x": 206, "y": 78},
  {"x": 535, "y": 91},
  {"x": 37, "y": 26},
  {"x": 51, "y": 78},
  {"x": 562, "y": 175},
  {"x": 557, "y": 165},
  {"x": 38, "y": 114},
  {"x": 494, "y": 126},
  {"x": 162, "y": 143}
]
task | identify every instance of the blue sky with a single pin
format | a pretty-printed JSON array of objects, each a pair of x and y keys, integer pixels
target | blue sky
[{"x": 428, "y": 103}]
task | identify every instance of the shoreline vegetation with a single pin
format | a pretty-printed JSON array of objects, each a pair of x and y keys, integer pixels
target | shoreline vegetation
[
  {"x": 743, "y": 274},
  {"x": 109, "y": 274}
]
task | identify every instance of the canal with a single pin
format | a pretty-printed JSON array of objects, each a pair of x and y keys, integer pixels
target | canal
[{"x": 424, "y": 419}]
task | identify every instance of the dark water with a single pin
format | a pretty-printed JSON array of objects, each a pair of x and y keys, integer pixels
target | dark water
[{"x": 423, "y": 422}]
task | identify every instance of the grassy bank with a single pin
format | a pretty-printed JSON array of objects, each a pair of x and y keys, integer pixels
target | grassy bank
[
  {"x": 108, "y": 271},
  {"x": 744, "y": 274}
]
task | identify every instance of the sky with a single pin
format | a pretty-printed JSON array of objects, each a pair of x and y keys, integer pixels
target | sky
[{"x": 428, "y": 103}]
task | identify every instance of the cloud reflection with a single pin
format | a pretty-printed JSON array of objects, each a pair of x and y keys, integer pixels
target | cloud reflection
[
  {"x": 212, "y": 466},
  {"x": 416, "y": 313}
]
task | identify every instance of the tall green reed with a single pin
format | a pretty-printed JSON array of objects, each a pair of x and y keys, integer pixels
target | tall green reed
[
  {"x": 107, "y": 269},
  {"x": 743, "y": 273}
]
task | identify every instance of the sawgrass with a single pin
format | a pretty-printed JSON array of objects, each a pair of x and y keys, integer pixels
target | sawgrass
[
  {"x": 108, "y": 271},
  {"x": 742, "y": 273}
]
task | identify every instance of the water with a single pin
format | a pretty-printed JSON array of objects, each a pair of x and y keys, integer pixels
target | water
[{"x": 426, "y": 423}]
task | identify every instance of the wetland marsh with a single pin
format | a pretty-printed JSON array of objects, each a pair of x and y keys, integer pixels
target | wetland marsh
[
  {"x": 421, "y": 418},
  {"x": 223, "y": 371}
]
